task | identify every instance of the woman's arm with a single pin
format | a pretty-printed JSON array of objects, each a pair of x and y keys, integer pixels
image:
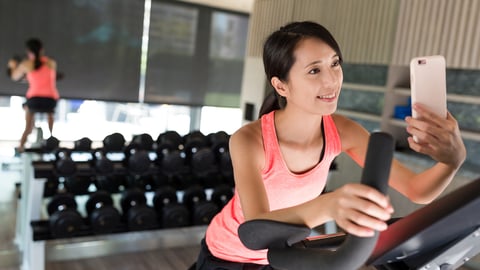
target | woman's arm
[
  {"x": 439, "y": 138},
  {"x": 17, "y": 70},
  {"x": 51, "y": 63}
]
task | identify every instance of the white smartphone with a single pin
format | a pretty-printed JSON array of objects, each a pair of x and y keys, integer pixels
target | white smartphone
[{"x": 428, "y": 84}]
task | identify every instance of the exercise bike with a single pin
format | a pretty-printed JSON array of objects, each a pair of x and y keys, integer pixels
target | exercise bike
[{"x": 440, "y": 236}]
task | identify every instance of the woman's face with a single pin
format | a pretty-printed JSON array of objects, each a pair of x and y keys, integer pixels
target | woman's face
[{"x": 315, "y": 79}]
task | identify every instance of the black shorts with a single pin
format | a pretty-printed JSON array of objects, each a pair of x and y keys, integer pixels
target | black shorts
[
  {"x": 206, "y": 261},
  {"x": 41, "y": 104}
]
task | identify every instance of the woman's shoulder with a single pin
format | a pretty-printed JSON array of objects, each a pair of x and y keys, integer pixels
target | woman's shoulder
[
  {"x": 341, "y": 122},
  {"x": 350, "y": 132},
  {"x": 51, "y": 63},
  {"x": 344, "y": 123},
  {"x": 249, "y": 131},
  {"x": 248, "y": 135},
  {"x": 27, "y": 65}
]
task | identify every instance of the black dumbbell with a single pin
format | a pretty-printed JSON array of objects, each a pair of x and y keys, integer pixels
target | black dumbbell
[
  {"x": 225, "y": 168},
  {"x": 102, "y": 215},
  {"x": 136, "y": 212},
  {"x": 137, "y": 161},
  {"x": 111, "y": 183},
  {"x": 50, "y": 144},
  {"x": 201, "y": 210},
  {"x": 170, "y": 140},
  {"x": 78, "y": 184},
  {"x": 194, "y": 141},
  {"x": 221, "y": 195},
  {"x": 64, "y": 219},
  {"x": 172, "y": 170},
  {"x": 114, "y": 142},
  {"x": 105, "y": 179},
  {"x": 139, "y": 168},
  {"x": 101, "y": 164},
  {"x": 204, "y": 167},
  {"x": 64, "y": 164},
  {"x": 84, "y": 144},
  {"x": 219, "y": 145},
  {"x": 218, "y": 141},
  {"x": 142, "y": 141},
  {"x": 172, "y": 214}
]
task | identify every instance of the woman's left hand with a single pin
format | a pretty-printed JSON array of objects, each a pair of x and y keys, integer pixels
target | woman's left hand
[{"x": 437, "y": 137}]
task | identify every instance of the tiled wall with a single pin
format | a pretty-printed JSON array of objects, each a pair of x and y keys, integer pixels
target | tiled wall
[
  {"x": 365, "y": 74},
  {"x": 361, "y": 101}
]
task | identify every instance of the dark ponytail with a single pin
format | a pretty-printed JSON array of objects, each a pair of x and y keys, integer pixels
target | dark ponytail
[
  {"x": 35, "y": 46},
  {"x": 273, "y": 101}
]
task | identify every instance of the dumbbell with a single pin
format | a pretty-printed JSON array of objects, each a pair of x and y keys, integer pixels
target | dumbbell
[
  {"x": 50, "y": 144},
  {"x": 137, "y": 161},
  {"x": 78, "y": 184},
  {"x": 225, "y": 168},
  {"x": 105, "y": 179},
  {"x": 169, "y": 140},
  {"x": 139, "y": 167},
  {"x": 101, "y": 164},
  {"x": 219, "y": 145},
  {"x": 114, "y": 142},
  {"x": 201, "y": 159},
  {"x": 172, "y": 170},
  {"x": 204, "y": 167},
  {"x": 201, "y": 210},
  {"x": 102, "y": 215},
  {"x": 171, "y": 213},
  {"x": 218, "y": 141},
  {"x": 111, "y": 183},
  {"x": 64, "y": 164},
  {"x": 83, "y": 144},
  {"x": 64, "y": 220},
  {"x": 142, "y": 141},
  {"x": 221, "y": 195},
  {"x": 193, "y": 142},
  {"x": 136, "y": 212}
]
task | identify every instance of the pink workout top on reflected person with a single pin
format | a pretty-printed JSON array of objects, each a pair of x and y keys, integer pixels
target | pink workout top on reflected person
[
  {"x": 42, "y": 82},
  {"x": 284, "y": 189}
]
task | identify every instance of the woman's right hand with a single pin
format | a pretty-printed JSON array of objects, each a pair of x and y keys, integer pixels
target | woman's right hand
[
  {"x": 359, "y": 209},
  {"x": 12, "y": 64}
]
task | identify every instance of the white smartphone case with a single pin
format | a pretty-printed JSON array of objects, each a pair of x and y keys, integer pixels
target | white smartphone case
[{"x": 428, "y": 83}]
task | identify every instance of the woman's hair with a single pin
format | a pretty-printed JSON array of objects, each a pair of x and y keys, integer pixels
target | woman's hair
[
  {"x": 278, "y": 55},
  {"x": 35, "y": 46}
]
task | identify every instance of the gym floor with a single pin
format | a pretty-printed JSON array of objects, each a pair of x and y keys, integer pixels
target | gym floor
[{"x": 172, "y": 258}]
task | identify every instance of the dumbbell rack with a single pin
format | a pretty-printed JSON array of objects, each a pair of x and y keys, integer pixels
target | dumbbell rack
[{"x": 37, "y": 247}]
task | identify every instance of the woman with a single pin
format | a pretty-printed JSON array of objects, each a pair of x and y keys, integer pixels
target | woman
[
  {"x": 281, "y": 161},
  {"x": 42, "y": 94}
]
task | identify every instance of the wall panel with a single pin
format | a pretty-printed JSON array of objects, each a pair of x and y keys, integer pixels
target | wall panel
[{"x": 449, "y": 28}]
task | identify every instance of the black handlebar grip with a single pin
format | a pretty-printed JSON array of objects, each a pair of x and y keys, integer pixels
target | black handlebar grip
[
  {"x": 354, "y": 251},
  {"x": 378, "y": 161}
]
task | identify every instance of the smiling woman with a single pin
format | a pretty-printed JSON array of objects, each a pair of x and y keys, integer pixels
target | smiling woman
[{"x": 281, "y": 161}]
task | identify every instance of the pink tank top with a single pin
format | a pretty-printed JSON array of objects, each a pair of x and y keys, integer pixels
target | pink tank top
[
  {"x": 42, "y": 82},
  {"x": 284, "y": 189}
]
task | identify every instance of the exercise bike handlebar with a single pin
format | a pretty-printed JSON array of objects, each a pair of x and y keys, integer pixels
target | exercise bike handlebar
[{"x": 278, "y": 237}]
